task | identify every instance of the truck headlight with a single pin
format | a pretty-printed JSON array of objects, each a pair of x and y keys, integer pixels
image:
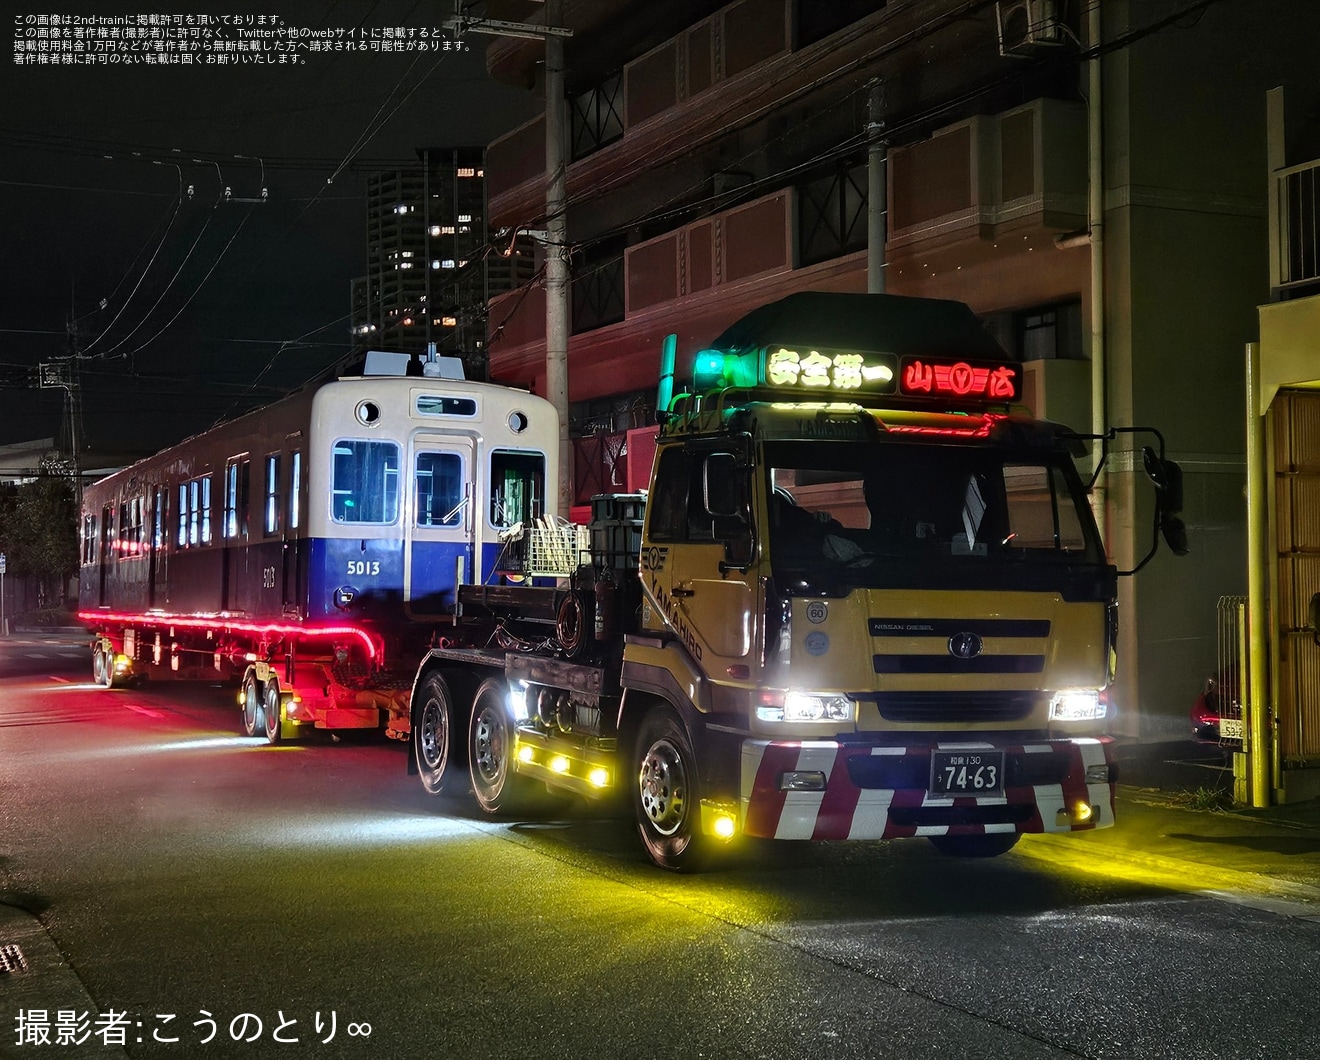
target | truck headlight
[
  {"x": 800, "y": 706},
  {"x": 1077, "y": 704}
]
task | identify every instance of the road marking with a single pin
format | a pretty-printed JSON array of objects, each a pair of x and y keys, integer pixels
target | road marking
[
  {"x": 144, "y": 710},
  {"x": 63, "y": 680}
]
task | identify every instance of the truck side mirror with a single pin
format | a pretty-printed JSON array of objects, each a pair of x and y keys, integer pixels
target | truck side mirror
[{"x": 1168, "y": 479}]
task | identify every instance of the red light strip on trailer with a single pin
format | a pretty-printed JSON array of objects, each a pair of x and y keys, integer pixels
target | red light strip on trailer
[{"x": 225, "y": 624}]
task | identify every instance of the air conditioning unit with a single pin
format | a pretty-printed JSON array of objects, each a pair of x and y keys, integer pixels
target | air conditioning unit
[{"x": 1027, "y": 26}]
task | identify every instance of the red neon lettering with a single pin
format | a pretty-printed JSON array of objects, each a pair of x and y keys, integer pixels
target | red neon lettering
[
  {"x": 1001, "y": 382},
  {"x": 918, "y": 377},
  {"x": 959, "y": 379}
]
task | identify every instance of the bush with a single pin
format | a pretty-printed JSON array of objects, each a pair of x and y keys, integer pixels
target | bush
[{"x": 46, "y": 617}]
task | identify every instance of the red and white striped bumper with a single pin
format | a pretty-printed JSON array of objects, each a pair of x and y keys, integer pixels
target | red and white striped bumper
[{"x": 881, "y": 792}]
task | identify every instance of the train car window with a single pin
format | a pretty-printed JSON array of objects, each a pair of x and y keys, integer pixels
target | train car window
[
  {"x": 158, "y": 520},
  {"x": 183, "y": 515},
  {"x": 206, "y": 509},
  {"x": 194, "y": 512},
  {"x": 517, "y": 486},
  {"x": 295, "y": 488},
  {"x": 365, "y": 482},
  {"x": 229, "y": 529},
  {"x": 443, "y": 405},
  {"x": 272, "y": 520},
  {"x": 89, "y": 539},
  {"x": 439, "y": 489},
  {"x": 244, "y": 496}
]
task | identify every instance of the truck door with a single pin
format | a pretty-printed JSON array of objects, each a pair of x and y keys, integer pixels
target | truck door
[
  {"x": 696, "y": 563},
  {"x": 438, "y": 523}
]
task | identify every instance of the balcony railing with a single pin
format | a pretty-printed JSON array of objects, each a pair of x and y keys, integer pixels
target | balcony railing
[{"x": 1299, "y": 224}]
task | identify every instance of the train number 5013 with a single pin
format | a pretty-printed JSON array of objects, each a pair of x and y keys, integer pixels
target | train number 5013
[{"x": 365, "y": 567}]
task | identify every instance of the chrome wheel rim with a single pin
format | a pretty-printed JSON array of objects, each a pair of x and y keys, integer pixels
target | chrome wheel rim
[
  {"x": 663, "y": 781},
  {"x": 488, "y": 739}
]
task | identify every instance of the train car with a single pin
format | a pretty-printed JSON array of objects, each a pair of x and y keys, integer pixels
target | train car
[{"x": 311, "y": 549}]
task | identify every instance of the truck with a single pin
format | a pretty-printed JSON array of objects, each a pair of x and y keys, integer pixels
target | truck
[{"x": 863, "y": 597}]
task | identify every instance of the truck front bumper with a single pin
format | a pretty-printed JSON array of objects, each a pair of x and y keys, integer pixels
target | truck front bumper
[{"x": 833, "y": 790}]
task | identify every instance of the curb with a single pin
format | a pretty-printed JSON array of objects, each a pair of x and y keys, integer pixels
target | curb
[{"x": 43, "y": 982}]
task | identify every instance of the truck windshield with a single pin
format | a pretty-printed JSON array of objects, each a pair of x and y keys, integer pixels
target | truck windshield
[{"x": 845, "y": 515}]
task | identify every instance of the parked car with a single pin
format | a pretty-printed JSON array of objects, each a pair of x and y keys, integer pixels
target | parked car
[{"x": 1217, "y": 712}]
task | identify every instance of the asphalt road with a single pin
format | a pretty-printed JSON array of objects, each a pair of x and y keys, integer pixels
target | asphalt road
[{"x": 184, "y": 872}]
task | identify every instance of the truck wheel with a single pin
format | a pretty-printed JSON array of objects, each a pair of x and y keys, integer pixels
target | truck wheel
[
  {"x": 252, "y": 713},
  {"x": 665, "y": 794},
  {"x": 270, "y": 709},
  {"x": 496, "y": 785},
  {"x": 990, "y": 845},
  {"x": 100, "y": 671},
  {"x": 432, "y": 732}
]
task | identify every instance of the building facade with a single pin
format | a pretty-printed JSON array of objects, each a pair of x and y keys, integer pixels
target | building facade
[
  {"x": 432, "y": 261},
  {"x": 1087, "y": 176}
]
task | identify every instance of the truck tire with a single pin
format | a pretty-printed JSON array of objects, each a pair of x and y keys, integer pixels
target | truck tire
[
  {"x": 496, "y": 785},
  {"x": 666, "y": 796},
  {"x": 253, "y": 719},
  {"x": 100, "y": 670},
  {"x": 433, "y": 732},
  {"x": 990, "y": 845},
  {"x": 270, "y": 709}
]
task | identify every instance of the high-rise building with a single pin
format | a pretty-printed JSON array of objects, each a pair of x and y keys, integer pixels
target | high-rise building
[{"x": 432, "y": 260}]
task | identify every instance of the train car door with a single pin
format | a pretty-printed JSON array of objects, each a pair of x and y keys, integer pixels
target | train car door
[
  {"x": 158, "y": 566},
  {"x": 107, "y": 550},
  {"x": 292, "y": 577},
  {"x": 438, "y": 523}
]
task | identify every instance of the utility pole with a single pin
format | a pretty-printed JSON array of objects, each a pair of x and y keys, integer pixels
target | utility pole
[
  {"x": 876, "y": 158},
  {"x": 557, "y": 288}
]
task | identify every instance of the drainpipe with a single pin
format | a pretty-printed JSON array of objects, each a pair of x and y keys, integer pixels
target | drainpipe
[
  {"x": 1095, "y": 216},
  {"x": 1258, "y": 714}
]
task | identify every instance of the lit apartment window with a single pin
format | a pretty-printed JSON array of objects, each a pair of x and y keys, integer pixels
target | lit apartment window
[
  {"x": 449, "y": 322},
  {"x": 448, "y": 263},
  {"x": 464, "y": 217},
  {"x": 466, "y": 171}
]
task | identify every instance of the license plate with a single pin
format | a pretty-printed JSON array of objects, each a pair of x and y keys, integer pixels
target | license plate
[
  {"x": 966, "y": 772},
  {"x": 1230, "y": 728}
]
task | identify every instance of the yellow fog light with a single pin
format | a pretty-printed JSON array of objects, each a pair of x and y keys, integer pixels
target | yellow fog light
[
  {"x": 559, "y": 764},
  {"x": 122, "y": 663},
  {"x": 1081, "y": 812},
  {"x": 598, "y": 777},
  {"x": 525, "y": 753},
  {"x": 724, "y": 826}
]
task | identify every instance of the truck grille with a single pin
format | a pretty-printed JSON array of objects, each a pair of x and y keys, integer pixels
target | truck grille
[{"x": 938, "y": 707}]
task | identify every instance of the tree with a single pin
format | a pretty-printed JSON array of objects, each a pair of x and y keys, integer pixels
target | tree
[{"x": 39, "y": 532}]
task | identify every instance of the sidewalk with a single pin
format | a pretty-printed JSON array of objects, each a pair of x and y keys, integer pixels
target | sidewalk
[{"x": 1172, "y": 832}]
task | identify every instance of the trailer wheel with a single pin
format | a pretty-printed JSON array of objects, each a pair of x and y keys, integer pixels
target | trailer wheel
[
  {"x": 270, "y": 709},
  {"x": 252, "y": 713},
  {"x": 990, "y": 845},
  {"x": 433, "y": 730},
  {"x": 497, "y": 786},
  {"x": 100, "y": 671},
  {"x": 666, "y": 796}
]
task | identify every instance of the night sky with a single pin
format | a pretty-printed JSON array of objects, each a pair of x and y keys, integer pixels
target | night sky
[{"x": 191, "y": 307}]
